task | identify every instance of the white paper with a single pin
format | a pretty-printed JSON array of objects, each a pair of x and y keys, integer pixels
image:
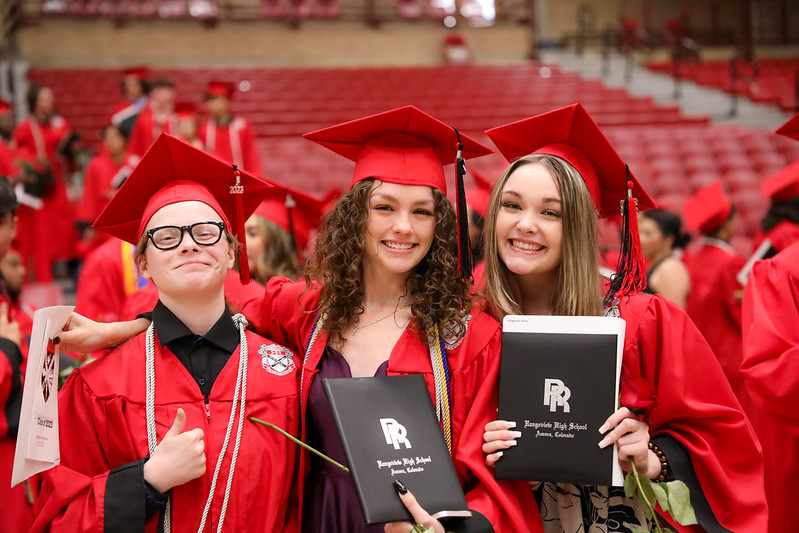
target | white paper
[
  {"x": 37, "y": 439},
  {"x": 743, "y": 274},
  {"x": 584, "y": 325}
]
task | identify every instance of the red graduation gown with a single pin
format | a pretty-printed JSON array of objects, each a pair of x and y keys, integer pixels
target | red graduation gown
[
  {"x": 146, "y": 130},
  {"x": 696, "y": 407},
  {"x": 107, "y": 278},
  {"x": 18, "y": 512},
  {"x": 234, "y": 142},
  {"x": 103, "y": 426},
  {"x": 714, "y": 305},
  {"x": 38, "y": 243},
  {"x": 474, "y": 367},
  {"x": 7, "y": 166},
  {"x": 103, "y": 177},
  {"x": 771, "y": 368}
]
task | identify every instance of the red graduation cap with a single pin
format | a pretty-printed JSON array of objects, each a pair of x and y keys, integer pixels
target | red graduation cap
[
  {"x": 185, "y": 109},
  {"x": 782, "y": 185},
  {"x": 404, "y": 145},
  {"x": 707, "y": 209},
  {"x": 141, "y": 73},
  {"x": 5, "y": 106},
  {"x": 790, "y": 128},
  {"x": 220, "y": 88},
  {"x": 173, "y": 171},
  {"x": 571, "y": 134},
  {"x": 408, "y": 147},
  {"x": 294, "y": 211}
]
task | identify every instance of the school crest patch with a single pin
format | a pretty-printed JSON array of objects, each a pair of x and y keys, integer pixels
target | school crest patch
[{"x": 277, "y": 359}]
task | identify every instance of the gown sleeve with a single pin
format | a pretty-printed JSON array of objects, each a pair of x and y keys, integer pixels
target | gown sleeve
[
  {"x": 509, "y": 506},
  {"x": 10, "y": 387},
  {"x": 74, "y": 494},
  {"x": 771, "y": 337},
  {"x": 697, "y": 408}
]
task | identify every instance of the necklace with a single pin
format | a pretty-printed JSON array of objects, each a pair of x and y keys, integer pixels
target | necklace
[{"x": 373, "y": 322}]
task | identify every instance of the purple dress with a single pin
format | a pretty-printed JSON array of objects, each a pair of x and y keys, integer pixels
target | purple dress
[{"x": 331, "y": 500}]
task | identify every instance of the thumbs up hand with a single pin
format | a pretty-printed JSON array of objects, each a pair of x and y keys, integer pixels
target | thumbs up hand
[{"x": 179, "y": 457}]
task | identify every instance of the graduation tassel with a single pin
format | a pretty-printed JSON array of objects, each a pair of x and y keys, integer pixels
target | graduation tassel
[
  {"x": 238, "y": 191},
  {"x": 630, "y": 276},
  {"x": 464, "y": 246}
]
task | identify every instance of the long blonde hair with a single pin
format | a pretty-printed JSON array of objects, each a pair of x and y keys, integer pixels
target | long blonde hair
[
  {"x": 577, "y": 291},
  {"x": 279, "y": 257}
]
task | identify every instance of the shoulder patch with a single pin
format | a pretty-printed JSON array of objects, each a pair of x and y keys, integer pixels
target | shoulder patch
[
  {"x": 452, "y": 344},
  {"x": 276, "y": 359}
]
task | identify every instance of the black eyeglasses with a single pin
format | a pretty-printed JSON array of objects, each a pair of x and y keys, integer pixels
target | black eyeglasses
[{"x": 203, "y": 233}]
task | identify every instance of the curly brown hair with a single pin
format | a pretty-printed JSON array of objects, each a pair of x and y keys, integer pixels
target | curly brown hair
[{"x": 440, "y": 297}]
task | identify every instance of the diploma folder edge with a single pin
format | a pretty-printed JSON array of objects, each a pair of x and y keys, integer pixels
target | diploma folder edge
[
  {"x": 417, "y": 386},
  {"x": 561, "y": 325}
]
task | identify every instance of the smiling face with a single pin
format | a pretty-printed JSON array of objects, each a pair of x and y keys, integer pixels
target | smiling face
[
  {"x": 188, "y": 269},
  {"x": 400, "y": 227},
  {"x": 529, "y": 227}
]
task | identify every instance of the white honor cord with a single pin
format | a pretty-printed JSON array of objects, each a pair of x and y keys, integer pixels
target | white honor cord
[{"x": 241, "y": 388}]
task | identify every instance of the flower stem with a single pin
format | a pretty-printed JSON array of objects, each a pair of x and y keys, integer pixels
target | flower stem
[
  {"x": 300, "y": 443},
  {"x": 644, "y": 498}
]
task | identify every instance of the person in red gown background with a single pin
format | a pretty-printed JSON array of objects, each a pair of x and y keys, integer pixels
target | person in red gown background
[
  {"x": 714, "y": 303},
  {"x": 40, "y": 138},
  {"x": 771, "y": 364},
  {"x": 225, "y": 134}
]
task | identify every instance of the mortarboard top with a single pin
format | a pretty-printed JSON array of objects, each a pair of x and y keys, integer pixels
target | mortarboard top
[
  {"x": 790, "y": 128},
  {"x": 306, "y": 213},
  {"x": 141, "y": 73},
  {"x": 405, "y": 146},
  {"x": 570, "y": 133},
  {"x": 707, "y": 209},
  {"x": 173, "y": 171},
  {"x": 220, "y": 88},
  {"x": 5, "y": 106},
  {"x": 783, "y": 185},
  {"x": 185, "y": 109}
]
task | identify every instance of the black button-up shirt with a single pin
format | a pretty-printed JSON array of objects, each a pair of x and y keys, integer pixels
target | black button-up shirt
[{"x": 204, "y": 356}]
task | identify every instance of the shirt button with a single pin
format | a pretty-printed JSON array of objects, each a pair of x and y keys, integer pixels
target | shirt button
[{"x": 201, "y": 381}]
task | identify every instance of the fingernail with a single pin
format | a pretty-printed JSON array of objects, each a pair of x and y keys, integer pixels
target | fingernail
[
  {"x": 511, "y": 424},
  {"x": 498, "y": 454},
  {"x": 511, "y": 442},
  {"x": 604, "y": 443},
  {"x": 603, "y": 428},
  {"x": 400, "y": 487},
  {"x": 56, "y": 340},
  {"x": 516, "y": 434}
]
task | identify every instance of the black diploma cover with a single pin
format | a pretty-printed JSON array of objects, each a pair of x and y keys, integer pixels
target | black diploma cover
[
  {"x": 390, "y": 431},
  {"x": 558, "y": 381}
]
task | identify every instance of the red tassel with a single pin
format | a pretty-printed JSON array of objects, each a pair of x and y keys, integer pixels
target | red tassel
[
  {"x": 238, "y": 191},
  {"x": 630, "y": 276}
]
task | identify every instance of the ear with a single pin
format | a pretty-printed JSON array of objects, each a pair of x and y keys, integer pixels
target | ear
[
  {"x": 231, "y": 253},
  {"x": 141, "y": 263}
]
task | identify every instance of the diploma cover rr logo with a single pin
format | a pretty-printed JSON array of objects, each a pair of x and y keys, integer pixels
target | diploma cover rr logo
[
  {"x": 395, "y": 433},
  {"x": 556, "y": 393}
]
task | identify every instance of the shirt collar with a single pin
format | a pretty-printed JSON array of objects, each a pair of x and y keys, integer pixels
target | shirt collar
[
  {"x": 713, "y": 241},
  {"x": 168, "y": 328}
]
